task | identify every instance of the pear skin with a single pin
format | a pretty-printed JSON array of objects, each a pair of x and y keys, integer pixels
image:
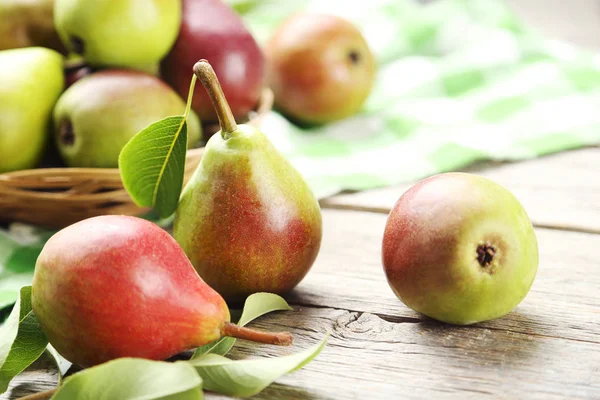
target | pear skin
[
  {"x": 459, "y": 248},
  {"x": 320, "y": 67},
  {"x": 100, "y": 113},
  {"x": 123, "y": 33},
  {"x": 211, "y": 29},
  {"x": 31, "y": 81},
  {"x": 247, "y": 219}
]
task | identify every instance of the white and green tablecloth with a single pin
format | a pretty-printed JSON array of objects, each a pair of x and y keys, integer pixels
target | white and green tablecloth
[{"x": 459, "y": 81}]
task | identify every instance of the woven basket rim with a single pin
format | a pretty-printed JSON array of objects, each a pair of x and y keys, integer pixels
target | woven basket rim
[{"x": 55, "y": 197}]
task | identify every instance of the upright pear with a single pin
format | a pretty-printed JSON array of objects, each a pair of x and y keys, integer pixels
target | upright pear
[
  {"x": 116, "y": 286},
  {"x": 124, "y": 33},
  {"x": 247, "y": 219},
  {"x": 31, "y": 80},
  {"x": 98, "y": 114}
]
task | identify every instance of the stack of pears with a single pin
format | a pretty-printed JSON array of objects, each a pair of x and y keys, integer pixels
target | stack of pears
[{"x": 126, "y": 63}]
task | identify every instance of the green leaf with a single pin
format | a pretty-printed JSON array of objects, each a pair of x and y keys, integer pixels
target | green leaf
[
  {"x": 21, "y": 339},
  {"x": 133, "y": 379},
  {"x": 244, "y": 378},
  {"x": 152, "y": 164},
  {"x": 256, "y": 305}
]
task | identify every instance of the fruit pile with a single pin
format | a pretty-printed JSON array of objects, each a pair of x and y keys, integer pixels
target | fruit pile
[
  {"x": 457, "y": 247},
  {"x": 82, "y": 78}
]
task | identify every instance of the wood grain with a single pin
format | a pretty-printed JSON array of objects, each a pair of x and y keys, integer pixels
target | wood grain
[
  {"x": 547, "y": 348},
  {"x": 558, "y": 191}
]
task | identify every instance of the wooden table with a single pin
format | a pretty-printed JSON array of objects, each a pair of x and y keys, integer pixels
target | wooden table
[{"x": 547, "y": 348}]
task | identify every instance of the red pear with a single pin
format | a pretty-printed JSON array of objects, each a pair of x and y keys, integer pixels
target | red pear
[
  {"x": 211, "y": 30},
  {"x": 117, "y": 286},
  {"x": 320, "y": 68},
  {"x": 459, "y": 248}
]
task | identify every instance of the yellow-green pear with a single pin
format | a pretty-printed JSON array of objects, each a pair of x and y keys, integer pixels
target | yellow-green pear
[
  {"x": 31, "y": 80},
  {"x": 122, "y": 33},
  {"x": 100, "y": 113}
]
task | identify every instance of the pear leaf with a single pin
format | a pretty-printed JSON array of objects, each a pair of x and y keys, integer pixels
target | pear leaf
[
  {"x": 152, "y": 164},
  {"x": 133, "y": 379},
  {"x": 256, "y": 305},
  {"x": 245, "y": 378},
  {"x": 22, "y": 340}
]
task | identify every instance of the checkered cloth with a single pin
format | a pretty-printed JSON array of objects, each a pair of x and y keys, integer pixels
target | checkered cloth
[{"x": 458, "y": 81}]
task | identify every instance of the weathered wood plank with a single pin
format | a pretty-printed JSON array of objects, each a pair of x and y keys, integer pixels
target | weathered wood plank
[
  {"x": 39, "y": 377},
  {"x": 564, "y": 300},
  {"x": 549, "y": 347},
  {"x": 561, "y": 190},
  {"x": 368, "y": 357}
]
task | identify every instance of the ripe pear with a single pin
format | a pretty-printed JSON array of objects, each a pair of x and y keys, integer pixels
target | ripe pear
[
  {"x": 100, "y": 113},
  {"x": 212, "y": 30},
  {"x": 117, "y": 286},
  {"x": 247, "y": 220},
  {"x": 320, "y": 68},
  {"x": 31, "y": 81},
  {"x": 28, "y": 23},
  {"x": 459, "y": 248},
  {"x": 123, "y": 33}
]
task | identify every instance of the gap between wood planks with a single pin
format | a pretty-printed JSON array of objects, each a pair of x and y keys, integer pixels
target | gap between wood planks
[
  {"x": 559, "y": 191},
  {"x": 386, "y": 211}
]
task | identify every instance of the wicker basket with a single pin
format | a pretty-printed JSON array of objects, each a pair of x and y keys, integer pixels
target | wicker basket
[{"x": 57, "y": 197}]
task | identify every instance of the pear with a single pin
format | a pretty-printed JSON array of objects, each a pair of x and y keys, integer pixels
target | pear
[
  {"x": 459, "y": 248},
  {"x": 212, "y": 30},
  {"x": 122, "y": 33},
  {"x": 31, "y": 81},
  {"x": 247, "y": 219},
  {"x": 117, "y": 286},
  {"x": 100, "y": 113},
  {"x": 321, "y": 68},
  {"x": 28, "y": 23}
]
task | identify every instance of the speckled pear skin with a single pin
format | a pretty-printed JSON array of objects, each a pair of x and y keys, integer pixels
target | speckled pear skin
[
  {"x": 116, "y": 286},
  {"x": 247, "y": 219}
]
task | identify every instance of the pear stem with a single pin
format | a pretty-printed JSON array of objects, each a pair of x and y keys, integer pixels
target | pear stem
[
  {"x": 205, "y": 72},
  {"x": 40, "y": 396},
  {"x": 239, "y": 332}
]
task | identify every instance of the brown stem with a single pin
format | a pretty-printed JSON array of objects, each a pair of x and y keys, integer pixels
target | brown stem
[
  {"x": 40, "y": 396},
  {"x": 279, "y": 338},
  {"x": 205, "y": 72}
]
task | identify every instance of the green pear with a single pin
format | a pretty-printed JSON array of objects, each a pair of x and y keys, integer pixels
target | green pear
[
  {"x": 247, "y": 220},
  {"x": 100, "y": 113},
  {"x": 31, "y": 81},
  {"x": 118, "y": 33},
  {"x": 28, "y": 23}
]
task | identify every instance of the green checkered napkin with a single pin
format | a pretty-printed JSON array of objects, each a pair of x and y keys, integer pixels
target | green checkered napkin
[{"x": 458, "y": 81}]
